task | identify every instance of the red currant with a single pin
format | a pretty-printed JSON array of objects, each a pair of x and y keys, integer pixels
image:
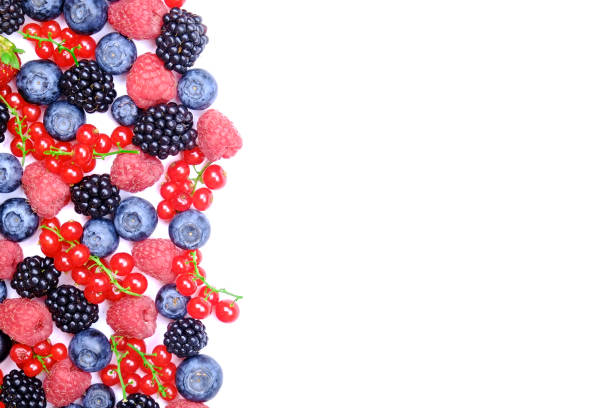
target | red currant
[
  {"x": 129, "y": 364},
  {"x": 63, "y": 262},
  {"x": 64, "y": 147},
  {"x": 52, "y": 223},
  {"x": 43, "y": 144},
  {"x": 139, "y": 345},
  {"x": 148, "y": 386},
  {"x": 103, "y": 145},
  {"x": 81, "y": 276},
  {"x": 202, "y": 199},
  {"x": 227, "y": 311},
  {"x": 63, "y": 58},
  {"x": 37, "y": 131},
  {"x": 109, "y": 375},
  {"x": 100, "y": 282},
  {"x": 170, "y": 392},
  {"x": 53, "y": 164},
  {"x": 169, "y": 190},
  {"x": 32, "y": 368},
  {"x": 70, "y": 37},
  {"x": 5, "y": 90},
  {"x": 181, "y": 202},
  {"x": 15, "y": 100},
  {"x": 42, "y": 348},
  {"x": 214, "y": 177},
  {"x": 50, "y": 27},
  {"x": 49, "y": 243},
  {"x": 89, "y": 166},
  {"x": 122, "y": 135},
  {"x": 71, "y": 173},
  {"x": 178, "y": 170},
  {"x": 198, "y": 308},
  {"x": 32, "y": 29},
  {"x": 168, "y": 372},
  {"x": 88, "y": 47},
  {"x": 185, "y": 186},
  {"x": 180, "y": 265},
  {"x": 208, "y": 294},
  {"x": 44, "y": 50},
  {"x": 18, "y": 147},
  {"x": 186, "y": 285},
  {"x": 87, "y": 134},
  {"x": 82, "y": 154},
  {"x": 30, "y": 112},
  {"x": 165, "y": 211},
  {"x": 20, "y": 353},
  {"x": 113, "y": 293},
  {"x": 122, "y": 263},
  {"x": 59, "y": 352},
  {"x": 71, "y": 230},
  {"x": 136, "y": 282},
  {"x": 92, "y": 296},
  {"x": 132, "y": 382},
  {"x": 162, "y": 356},
  {"x": 175, "y": 3},
  {"x": 79, "y": 255},
  {"x": 193, "y": 157}
]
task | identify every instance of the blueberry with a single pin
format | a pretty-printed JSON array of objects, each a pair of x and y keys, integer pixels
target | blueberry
[
  {"x": 63, "y": 119},
  {"x": 197, "y": 89},
  {"x": 115, "y": 53},
  {"x": 10, "y": 173},
  {"x": 86, "y": 16},
  {"x": 90, "y": 350},
  {"x": 199, "y": 378},
  {"x": 99, "y": 396},
  {"x": 42, "y": 10},
  {"x": 38, "y": 82},
  {"x": 135, "y": 219},
  {"x": 17, "y": 220},
  {"x": 125, "y": 111},
  {"x": 5, "y": 346},
  {"x": 189, "y": 229},
  {"x": 170, "y": 303},
  {"x": 2, "y": 291},
  {"x": 100, "y": 236}
]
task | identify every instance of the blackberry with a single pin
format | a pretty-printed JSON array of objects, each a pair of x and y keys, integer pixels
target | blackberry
[
  {"x": 21, "y": 391},
  {"x": 4, "y": 118},
  {"x": 137, "y": 401},
  {"x": 95, "y": 196},
  {"x": 182, "y": 40},
  {"x": 185, "y": 337},
  {"x": 35, "y": 277},
  {"x": 165, "y": 130},
  {"x": 11, "y": 16},
  {"x": 71, "y": 312},
  {"x": 88, "y": 86}
]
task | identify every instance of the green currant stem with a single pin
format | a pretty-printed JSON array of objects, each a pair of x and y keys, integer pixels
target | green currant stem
[
  {"x": 42, "y": 361},
  {"x": 160, "y": 387},
  {"x": 97, "y": 261},
  {"x": 56, "y": 152},
  {"x": 24, "y": 136},
  {"x": 198, "y": 275},
  {"x": 119, "y": 356},
  {"x": 60, "y": 45},
  {"x": 198, "y": 178}
]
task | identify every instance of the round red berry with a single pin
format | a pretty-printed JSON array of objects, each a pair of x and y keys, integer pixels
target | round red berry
[
  {"x": 186, "y": 285},
  {"x": 100, "y": 282},
  {"x": 87, "y": 49},
  {"x": 122, "y": 263},
  {"x": 162, "y": 357},
  {"x": 32, "y": 368},
  {"x": 87, "y": 134},
  {"x": 214, "y": 177},
  {"x": 49, "y": 243},
  {"x": 82, "y": 154},
  {"x": 89, "y": 166},
  {"x": 202, "y": 199},
  {"x": 62, "y": 262},
  {"x": 175, "y": 3},
  {"x": 81, "y": 276},
  {"x": 129, "y": 364},
  {"x": 59, "y": 352},
  {"x": 178, "y": 170},
  {"x": 148, "y": 386},
  {"x": 18, "y": 147},
  {"x": 42, "y": 348},
  {"x": 132, "y": 382},
  {"x": 50, "y": 27},
  {"x": 52, "y": 223},
  {"x": 103, "y": 145},
  {"x": 180, "y": 265},
  {"x": 79, "y": 255},
  {"x": 21, "y": 353},
  {"x": 71, "y": 173},
  {"x": 69, "y": 37},
  {"x": 122, "y": 135},
  {"x": 227, "y": 311},
  {"x": 31, "y": 113},
  {"x": 193, "y": 157},
  {"x": 71, "y": 230},
  {"x": 198, "y": 308},
  {"x": 63, "y": 58},
  {"x": 181, "y": 202},
  {"x": 168, "y": 372},
  {"x": 136, "y": 282},
  {"x": 93, "y": 296},
  {"x": 15, "y": 100},
  {"x": 32, "y": 29},
  {"x": 165, "y": 211},
  {"x": 109, "y": 375},
  {"x": 169, "y": 190},
  {"x": 113, "y": 293},
  {"x": 44, "y": 50},
  {"x": 208, "y": 294},
  {"x": 170, "y": 392}
]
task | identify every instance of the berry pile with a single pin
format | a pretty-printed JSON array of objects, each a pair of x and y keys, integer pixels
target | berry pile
[{"x": 46, "y": 107}]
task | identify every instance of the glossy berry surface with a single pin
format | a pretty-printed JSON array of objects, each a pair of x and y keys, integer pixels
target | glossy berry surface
[
  {"x": 115, "y": 53},
  {"x": 18, "y": 221},
  {"x": 135, "y": 219},
  {"x": 199, "y": 378},
  {"x": 90, "y": 350}
]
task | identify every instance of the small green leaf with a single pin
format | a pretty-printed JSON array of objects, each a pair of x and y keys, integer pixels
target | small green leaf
[
  {"x": 5, "y": 58},
  {"x": 19, "y": 50}
]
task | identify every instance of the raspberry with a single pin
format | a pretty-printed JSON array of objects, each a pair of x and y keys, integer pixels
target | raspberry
[
  {"x": 135, "y": 172},
  {"x": 154, "y": 257},
  {"x": 65, "y": 383},
  {"x": 25, "y": 321},
  {"x": 137, "y": 19},
  {"x": 217, "y": 136},
  {"x": 46, "y": 192},
  {"x": 149, "y": 83},
  {"x": 10, "y": 255},
  {"x": 133, "y": 317},
  {"x": 181, "y": 403}
]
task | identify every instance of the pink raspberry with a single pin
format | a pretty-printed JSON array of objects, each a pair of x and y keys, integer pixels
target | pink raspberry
[
  {"x": 25, "y": 321},
  {"x": 181, "y": 403},
  {"x": 149, "y": 83},
  {"x": 154, "y": 257},
  {"x": 137, "y": 19},
  {"x": 10, "y": 255},
  {"x": 133, "y": 316},
  {"x": 46, "y": 191},
  {"x": 217, "y": 136},
  {"x": 65, "y": 383},
  {"x": 135, "y": 172}
]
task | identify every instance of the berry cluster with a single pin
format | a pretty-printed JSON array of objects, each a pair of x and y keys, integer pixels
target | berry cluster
[{"x": 41, "y": 357}]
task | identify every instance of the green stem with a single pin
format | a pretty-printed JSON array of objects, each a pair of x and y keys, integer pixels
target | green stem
[
  {"x": 42, "y": 361},
  {"x": 60, "y": 45},
  {"x": 56, "y": 152},
  {"x": 160, "y": 387},
  {"x": 120, "y": 356},
  {"x": 198, "y": 275},
  {"x": 24, "y": 136},
  {"x": 198, "y": 178}
]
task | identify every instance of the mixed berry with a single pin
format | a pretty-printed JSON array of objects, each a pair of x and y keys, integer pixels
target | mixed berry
[{"x": 77, "y": 279}]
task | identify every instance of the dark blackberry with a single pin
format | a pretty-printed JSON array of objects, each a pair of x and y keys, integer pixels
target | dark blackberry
[
  {"x": 137, "y": 401},
  {"x": 182, "y": 40},
  {"x": 4, "y": 118},
  {"x": 185, "y": 337},
  {"x": 35, "y": 277},
  {"x": 11, "y": 16},
  {"x": 95, "y": 196},
  {"x": 88, "y": 86},
  {"x": 165, "y": 130},
  {"x": 71, "y": 312},
  {"x": 21, "y": 391}
]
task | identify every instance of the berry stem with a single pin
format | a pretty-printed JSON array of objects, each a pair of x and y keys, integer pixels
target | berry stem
[
  {"x": 42, "y": 361},
  {"x": 120, "y": 356},
  {"x": 24, "y": 136},
  {"x": 198, "y": 275},
  {"x": 160, "y": 387},
  {"x": 198, "y": 178},
  {"x": 54, "y": 151},
  {"x": 60, "y": 45}
]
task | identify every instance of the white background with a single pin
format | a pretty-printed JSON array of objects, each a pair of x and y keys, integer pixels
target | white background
[{"x": 421, "y": 213}]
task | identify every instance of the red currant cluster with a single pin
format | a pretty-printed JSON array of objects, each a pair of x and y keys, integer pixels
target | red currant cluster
[
  {"x": 190, "y": 277},
  {"x": 102, "y": 279},
  {"x": 63, "y": 45},
  {"x": 33, "y": 360},
  {"x": 180, "y": 192},
  {"x": 175, "y": 3},
  {"x": 131, "y": 355}
]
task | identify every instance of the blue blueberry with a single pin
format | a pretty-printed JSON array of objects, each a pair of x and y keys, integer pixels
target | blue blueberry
[
  {"x": 170, "y": 303},
  {"x": 63, "y": 119},
  {"x": 99, "y": 396},
  {"x": 42, "y": 10},
  {"x": 5, "y": 346},
  {"x": 189, "y": 229},
  {"x": 38, "y": 82},
  {"x": 100, "y": 236},
  {"x": 2, "y": 291},
  {"x": 125, "y": 111},
  {"x": 197, "y": 89},
  {"x": 115, "y": 53},
  {"x": 10, "y": 173},
  {"x": 199, "y": 378},
  {"x": 18, "y": 221},
  {"x": 86, "y": 16},
  {"x": 135, "y": 219},
  {"x": 90, "y": 350}
]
